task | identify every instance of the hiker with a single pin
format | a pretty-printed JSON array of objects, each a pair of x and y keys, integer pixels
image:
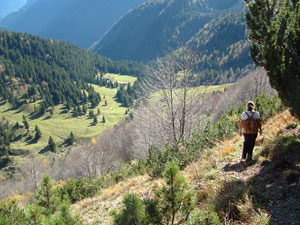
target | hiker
[{"x": 250, "y": 125}]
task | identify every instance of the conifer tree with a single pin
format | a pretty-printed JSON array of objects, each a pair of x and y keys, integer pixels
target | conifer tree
[
  {"x": 275, "y": 35},
  {"x": 38, "y": 133},
  {"x": 51, "y": 144},
  {"x": 91, "y": 113},
  {"x": 84, "y": 109},
  {"x": 71, "y": 138},
  {"x": 26, "y": 125},
  {"x": 95, "y": 120},
  {"x": 98, "y": 111},
  {"x": 173, "y": 203},
  {"x": 45, "y": 192},
  {"x": 103, "y": 120}
]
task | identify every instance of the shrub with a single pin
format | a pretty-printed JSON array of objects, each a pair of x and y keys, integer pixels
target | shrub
[
  {"x": 132, "y": 213},
  {"x": 173, "y": 202},
  {"x": 77, "y": 189}
]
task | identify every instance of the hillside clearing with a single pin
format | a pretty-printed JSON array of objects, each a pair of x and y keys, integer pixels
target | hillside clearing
[{"x": 62, "y": 123}]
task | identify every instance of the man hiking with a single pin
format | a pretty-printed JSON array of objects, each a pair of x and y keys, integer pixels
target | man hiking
[{"x": 250, "y": 125}]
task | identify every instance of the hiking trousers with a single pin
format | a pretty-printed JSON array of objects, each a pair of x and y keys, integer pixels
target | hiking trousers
[{"x": 248, "y": 147}]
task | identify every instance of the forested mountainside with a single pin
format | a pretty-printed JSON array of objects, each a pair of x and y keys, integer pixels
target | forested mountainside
[
  {"x": 75, "y": 21},
  {"x": 156, "y": 27},
  {"x": 214, "y": 30},
  {"x": 53, "y": 71},
  {"x": 222, "y": 48}
]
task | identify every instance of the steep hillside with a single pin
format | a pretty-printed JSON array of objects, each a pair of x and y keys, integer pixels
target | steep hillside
[
  {"x": 242, "y": 193},
  {"x": 75, "y": 21},
  {"x": 45, "y": 84},
  {"x": 223, "y": 48},
  {"x": 8, "y": 6},
  {"x": 47, "y": 69},
  {"x": 216, "y": 32},
  {"x": 156, "y": 27}
]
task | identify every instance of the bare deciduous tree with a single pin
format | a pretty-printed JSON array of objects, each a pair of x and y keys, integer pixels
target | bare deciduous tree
[
  {"x": 172, "y": 103},
  {"x": 247, "y": 88}
]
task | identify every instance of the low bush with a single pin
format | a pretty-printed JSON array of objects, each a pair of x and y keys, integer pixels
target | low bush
[{"x": 173, "y": 204}]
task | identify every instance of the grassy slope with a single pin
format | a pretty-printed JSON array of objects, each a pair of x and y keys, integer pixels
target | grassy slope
[
  {"x": 61, "y": 124},
  {"x": 217, "y": 169}
]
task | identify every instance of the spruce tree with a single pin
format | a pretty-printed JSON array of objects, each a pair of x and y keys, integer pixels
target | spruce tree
[
  {"x": 103, "y": 119},
  {"x": 91, "y": 113},
  {"x": 26, "y": 125},
  {"x": 51, "y": 144},
  {"x": 38, "y": 133},
  {"x": 95, "y": 120},
  {"x": 84, "y": 109},
  {"x": 98, "y": 111},
  {"x": 71, "y": 139}
]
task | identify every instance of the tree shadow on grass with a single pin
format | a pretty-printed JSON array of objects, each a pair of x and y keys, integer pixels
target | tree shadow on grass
[
  {"x": 44, "y": 150},
  {"x": 47, "y": 118},
  {"x": 36, "y": 116},
  {"x": 19, "y": 111}
]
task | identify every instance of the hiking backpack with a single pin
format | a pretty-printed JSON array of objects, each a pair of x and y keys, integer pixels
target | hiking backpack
[{"x": 251, "y": 126}]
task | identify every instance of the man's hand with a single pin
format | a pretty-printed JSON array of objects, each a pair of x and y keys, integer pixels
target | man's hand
[
  {"x": 241, "y": 134},
  {"x": 260, "y": 132}
]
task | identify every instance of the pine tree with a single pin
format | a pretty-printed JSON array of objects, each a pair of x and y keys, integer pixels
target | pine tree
[
  {"x": 98, "y": 111},
  {"x": 71, "y": 139},
  {"x": 26, "y": 125},
  {"x": 51, "y": 144},
  {"x": 84, "y": 109},
  {"x": 274, "y": 32},
  {"x": 38, "y": 133},
  {"x": 173, "y": 203},
  {"x": 51, "y": 111},
  {"x": 95, "y": 120},
  {"x": 103, "y": 120},
  {"x": 105, "y": 102},
  {"x": 91, "y": 113}
]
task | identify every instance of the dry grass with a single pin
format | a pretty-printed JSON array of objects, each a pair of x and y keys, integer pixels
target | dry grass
[
  {"x": 98, "y": 209},
  {"x": 213, "y": 185}
]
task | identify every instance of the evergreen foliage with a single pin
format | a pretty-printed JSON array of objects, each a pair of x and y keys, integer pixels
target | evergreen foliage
[
  {"x": 173, "y": 203},
  {"x": 46, "y": 208},
  {"x": 51, "y": 144},
  {"x": 71, "y": 139},
  {"x": 38, "y": 133},
  {"x": 95, "y": 121},
  {"x": 52, "y": 71},
  {"x": 197, "y": 25},
  {"x": 275, "y": 35}
]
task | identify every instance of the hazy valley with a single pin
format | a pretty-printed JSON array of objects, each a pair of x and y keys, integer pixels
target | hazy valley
[{"x": 128, "y": 112}]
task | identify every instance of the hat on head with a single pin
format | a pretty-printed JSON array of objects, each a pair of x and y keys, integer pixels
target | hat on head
[{"x": 250, "y": 103}]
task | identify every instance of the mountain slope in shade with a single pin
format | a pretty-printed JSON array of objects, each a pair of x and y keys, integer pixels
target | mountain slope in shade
[
  {"x": 156, "y": 27},
  {"x": 8, "y": 6},
  {"x": 76, "y": 21}
]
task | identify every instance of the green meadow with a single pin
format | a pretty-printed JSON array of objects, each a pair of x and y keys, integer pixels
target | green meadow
[
  {"x": 62, "y": 123},
  {"x": 121, "y": 78}
]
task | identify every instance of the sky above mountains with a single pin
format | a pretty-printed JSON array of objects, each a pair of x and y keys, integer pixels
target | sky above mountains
[{"x": 8, "y": 6}]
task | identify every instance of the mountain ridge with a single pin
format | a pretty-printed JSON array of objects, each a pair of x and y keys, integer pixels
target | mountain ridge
[{"x": 93, "y": 17}]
